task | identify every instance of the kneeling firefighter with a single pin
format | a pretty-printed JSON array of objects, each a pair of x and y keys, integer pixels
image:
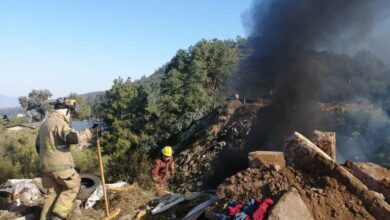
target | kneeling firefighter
[
  {"x": 53, "y": 145},
  {"x": 162, "y": 169}
]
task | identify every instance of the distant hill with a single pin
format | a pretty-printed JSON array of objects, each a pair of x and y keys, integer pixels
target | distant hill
[
  {"x": 8, "y": 102},
  {"x": 11, "y": 112},
  {"x": 91, "y": 97}
]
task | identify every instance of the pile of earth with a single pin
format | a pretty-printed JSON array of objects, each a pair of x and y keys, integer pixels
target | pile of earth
[
  {"x": 324, "y": 196},
  {"x": 227, "y": 135},
  {"x": 217, "y": 139},
  {"x": 326, "y": 189}
]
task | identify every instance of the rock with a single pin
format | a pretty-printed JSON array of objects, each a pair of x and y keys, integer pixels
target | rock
[
  {"x": 326, "y": 141},
  {"x": 290, "y": 207},
  {"x": 375, "y": 177},
  {"x": 315, "y": 159},
  {"x": 319, "y": 191},
  {"x": 266, "y": 159},
  {"x": 276, "y": 167},
  {"x": 380, "y": 195}
]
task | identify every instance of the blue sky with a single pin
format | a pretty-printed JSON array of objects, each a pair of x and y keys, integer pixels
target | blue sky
[{"x": 82, "y": 46}]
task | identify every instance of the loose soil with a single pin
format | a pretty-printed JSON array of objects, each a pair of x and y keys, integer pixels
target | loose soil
[{"x": 324, "y": 196}]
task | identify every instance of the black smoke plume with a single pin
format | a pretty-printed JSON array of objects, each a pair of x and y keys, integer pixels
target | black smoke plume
[{"x": 301, "y": 55}]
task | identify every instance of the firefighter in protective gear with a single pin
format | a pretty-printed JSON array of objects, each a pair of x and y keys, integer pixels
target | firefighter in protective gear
[
  {"x": 58, "y": 174},
  {"x": 162, "y": 169}
]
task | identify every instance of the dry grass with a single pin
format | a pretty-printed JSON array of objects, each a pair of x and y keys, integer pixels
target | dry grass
[{"x": 129, "y": 201}]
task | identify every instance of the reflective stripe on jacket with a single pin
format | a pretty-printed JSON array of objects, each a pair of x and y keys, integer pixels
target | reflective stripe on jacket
[{"x": 54, "y": 139}]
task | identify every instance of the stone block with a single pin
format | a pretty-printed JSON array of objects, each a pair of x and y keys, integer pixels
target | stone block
[
  {"x": 290, "y": 207},
  {"x": 266, "y": 159},
  {"x": 326, "y": 141}
]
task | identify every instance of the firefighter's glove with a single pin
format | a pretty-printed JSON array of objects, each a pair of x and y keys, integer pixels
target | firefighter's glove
[{"x": 95, "y": 128}]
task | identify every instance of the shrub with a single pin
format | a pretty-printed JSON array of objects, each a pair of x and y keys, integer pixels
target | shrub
[
  {"x": 131, "y": 166},
  {"x": 8, "y": 170},
  {"x": 19, "y": 157},
  {"x": 86, "y": 160}
]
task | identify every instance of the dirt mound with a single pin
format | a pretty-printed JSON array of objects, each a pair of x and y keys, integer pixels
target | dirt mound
[
  {"x": 226, "y": 136},
  {"x": 217, "y": 139},
  {"x": 324, "y": 196}
]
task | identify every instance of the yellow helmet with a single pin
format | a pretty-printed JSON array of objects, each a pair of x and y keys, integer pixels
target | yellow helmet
[{"x": 167, "y": 151}]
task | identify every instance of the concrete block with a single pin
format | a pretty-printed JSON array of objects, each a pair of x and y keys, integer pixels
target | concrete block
[
  {"x": 266, "y": 158},
  {"x": 326, "y": 141}
]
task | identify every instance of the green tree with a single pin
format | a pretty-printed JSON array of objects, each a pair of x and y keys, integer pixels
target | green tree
[
  {"x": 125, "y": 99},
  {"x": 214, "y": 61},
  {"x": 124, "y": 110},
  {"x": 193, "y": 82},
  {"x": 36, "y": 104}
]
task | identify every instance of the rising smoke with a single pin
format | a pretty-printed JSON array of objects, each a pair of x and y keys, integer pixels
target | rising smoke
[{"x": 309, "y": 51}]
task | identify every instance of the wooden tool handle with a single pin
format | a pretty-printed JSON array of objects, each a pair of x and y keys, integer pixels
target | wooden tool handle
[{"x": 101, "y": 169}]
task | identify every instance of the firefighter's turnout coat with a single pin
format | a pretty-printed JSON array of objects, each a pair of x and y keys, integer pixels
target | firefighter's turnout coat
[{"x": 58, "y": 174}]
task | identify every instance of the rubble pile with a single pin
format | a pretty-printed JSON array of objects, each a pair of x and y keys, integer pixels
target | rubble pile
[
  {"x": 212, "y": 141},
  {"x": 324, "y": 196},
  {"x": 327, "y": 189},
  {"x": 21, "y": 198}
]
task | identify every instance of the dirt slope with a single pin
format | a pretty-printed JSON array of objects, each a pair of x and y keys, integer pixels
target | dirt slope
[{"x": 216, "y": 140}]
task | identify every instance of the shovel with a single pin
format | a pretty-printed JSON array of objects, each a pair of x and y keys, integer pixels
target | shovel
[{"x": 101, "y": 169}]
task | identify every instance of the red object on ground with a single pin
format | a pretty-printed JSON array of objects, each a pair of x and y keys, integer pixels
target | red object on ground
[
  {"x": 262, "y": 209},
  {"x": 234, "y": 210}
]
